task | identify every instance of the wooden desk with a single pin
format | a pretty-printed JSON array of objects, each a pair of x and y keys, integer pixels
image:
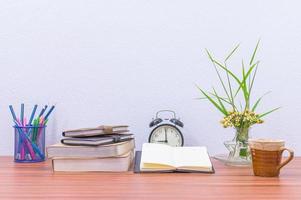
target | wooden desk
[{"x": 36, "y": 181}]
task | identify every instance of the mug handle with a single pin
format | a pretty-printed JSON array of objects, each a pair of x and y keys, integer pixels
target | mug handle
[{"x": 290, "y": 157}]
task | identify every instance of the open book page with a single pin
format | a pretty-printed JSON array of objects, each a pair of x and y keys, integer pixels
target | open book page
[
  {"x": 156, "y": 156},
  {"x": 192, "y": 158}
]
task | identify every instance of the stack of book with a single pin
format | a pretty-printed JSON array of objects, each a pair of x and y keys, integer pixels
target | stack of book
[{"x": 105, "y": 148}]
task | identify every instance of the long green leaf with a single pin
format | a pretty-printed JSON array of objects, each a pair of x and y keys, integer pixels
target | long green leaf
[
  {"x": 232, "y": 52},
  {"x": 222, "y": 98},
  {"x": 201, "y": 98},
  {"x": 246, "y": 76},
  {"x": 218, "y": 74},
  {"x": 214, "y": 96},
  {"x": 228, "y": 71},
  {"x": 240, "y": 106},
  {"x": 244, "y": 86},
  {"x": 237, "y": 80},
  {"x": 249, "y": 81},
  {"x": 254, "y": 53},
  {"x": 258, "y": 101},
  {"x": 254, "y": 75},
  {"x": 256, "y": 104},
  {"x": 212, "y": 101},
  {"x": 209, "y": 55},
  {"x": 220, "y": 102},
  {"x": 230, "y": 88},
  {"x": 264, "y": 114}
]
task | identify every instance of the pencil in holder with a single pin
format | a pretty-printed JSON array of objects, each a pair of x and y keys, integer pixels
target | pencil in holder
[{"x": 29, "y": 144}]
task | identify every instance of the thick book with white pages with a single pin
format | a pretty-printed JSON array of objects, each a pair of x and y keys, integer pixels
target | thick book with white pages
[
  {"x": 110, "y": 150},
  {"x": 113, "y": 164},
  {"x": 164, "y": 158}
]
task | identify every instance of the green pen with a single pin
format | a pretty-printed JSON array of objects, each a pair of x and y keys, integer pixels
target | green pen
[{"x": 36, "y": 124}]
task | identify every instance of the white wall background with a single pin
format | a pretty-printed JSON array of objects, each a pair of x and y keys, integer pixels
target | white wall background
[{"x": 118, "y": 62}]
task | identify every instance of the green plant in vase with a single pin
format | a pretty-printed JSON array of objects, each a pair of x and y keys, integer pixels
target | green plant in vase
[{"x": 235, "y": 104}]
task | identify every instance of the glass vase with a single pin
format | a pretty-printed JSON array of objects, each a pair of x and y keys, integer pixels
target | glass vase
[{"x": 239, "y": 152}]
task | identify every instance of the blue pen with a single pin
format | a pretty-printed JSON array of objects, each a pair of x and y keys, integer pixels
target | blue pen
[
  {"x": 45, "y": 108},
  {"x": 32, "y": 114},
  {"x": 49, "y": 112},
  {"x": 12, "y": 112},
  {"x": 22, "y": 114},
  {"x": 42, "y": 112}
]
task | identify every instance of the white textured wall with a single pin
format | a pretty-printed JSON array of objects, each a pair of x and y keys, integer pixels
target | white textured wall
[{"x": 108, "y": 62}]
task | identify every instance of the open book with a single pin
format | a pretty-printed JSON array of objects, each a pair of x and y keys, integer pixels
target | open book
[{"x": 161, "y": 158}]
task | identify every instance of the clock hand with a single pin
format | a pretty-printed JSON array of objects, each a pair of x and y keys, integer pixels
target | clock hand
[
  {"x": 165, "y": 135},
  {"x": 163, "y": 141}
]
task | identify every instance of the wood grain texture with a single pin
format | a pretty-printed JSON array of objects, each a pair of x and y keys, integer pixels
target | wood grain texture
[{"x": 37, "y": 181}]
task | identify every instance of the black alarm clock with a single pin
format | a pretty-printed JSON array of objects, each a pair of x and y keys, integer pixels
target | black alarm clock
[{"x": 167, "y": 130}]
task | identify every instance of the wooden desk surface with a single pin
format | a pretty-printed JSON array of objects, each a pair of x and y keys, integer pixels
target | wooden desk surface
[{"x": 37, "y": 181}]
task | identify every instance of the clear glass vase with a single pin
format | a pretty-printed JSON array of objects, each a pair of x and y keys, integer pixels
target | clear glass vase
[{"x": 239, "y": 152}]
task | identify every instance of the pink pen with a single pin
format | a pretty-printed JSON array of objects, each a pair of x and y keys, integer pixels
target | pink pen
[
  {"x": 22, "y": 152},
  {"x": 31, "y": 151},
  {"x": 25, "y": 122},
  {"x": 28, "y": 144}
]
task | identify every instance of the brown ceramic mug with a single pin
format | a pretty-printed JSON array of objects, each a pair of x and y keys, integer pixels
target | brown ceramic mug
[{"x": 267, "y": 156}]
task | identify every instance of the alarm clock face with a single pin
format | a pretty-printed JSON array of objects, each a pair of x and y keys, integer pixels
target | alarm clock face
[{"x": 167, "y": 134}]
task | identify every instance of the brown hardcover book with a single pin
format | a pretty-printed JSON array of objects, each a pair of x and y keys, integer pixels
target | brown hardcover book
[{"x": 101, "y": 151}]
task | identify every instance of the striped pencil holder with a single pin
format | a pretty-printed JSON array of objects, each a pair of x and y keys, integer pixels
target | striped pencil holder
[{"x": 29, "y": 144}]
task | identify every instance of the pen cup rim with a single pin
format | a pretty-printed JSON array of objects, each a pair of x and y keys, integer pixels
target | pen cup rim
[{"x": 29, "y": 126}]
